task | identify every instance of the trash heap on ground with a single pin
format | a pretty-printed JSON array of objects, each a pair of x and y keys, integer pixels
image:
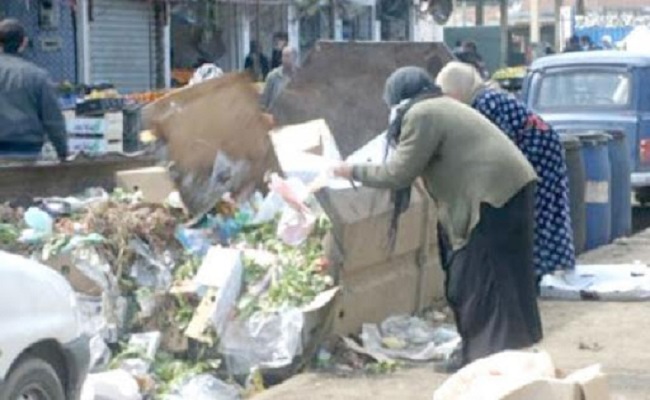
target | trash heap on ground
[
  {"x": 214, "y": 292},
  {"x": 168, "y": 302}
]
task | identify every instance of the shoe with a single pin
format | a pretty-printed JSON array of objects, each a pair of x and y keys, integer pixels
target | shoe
[{"x": 451, "y": 365}]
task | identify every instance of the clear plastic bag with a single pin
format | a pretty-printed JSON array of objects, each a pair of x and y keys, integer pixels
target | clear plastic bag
[{"x": 265, "y": 340}]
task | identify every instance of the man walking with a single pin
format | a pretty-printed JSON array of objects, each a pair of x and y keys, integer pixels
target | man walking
[
  {"x": 279, "y": 78},
  {"x": 29, "y": 110}
]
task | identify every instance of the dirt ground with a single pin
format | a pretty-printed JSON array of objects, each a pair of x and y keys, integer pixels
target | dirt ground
[{"x": 577, "y": 334}]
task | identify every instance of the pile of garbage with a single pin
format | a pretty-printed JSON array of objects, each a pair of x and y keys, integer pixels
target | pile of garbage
[{"x": 186, "y": 311}]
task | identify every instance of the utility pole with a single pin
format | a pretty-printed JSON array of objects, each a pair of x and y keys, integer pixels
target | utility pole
[
  {"x": 534, "y": 26},
  {"x": 480, "y": 13},
  {"x": 505, "y": 34},
  {"x": 558, "y": 25}
]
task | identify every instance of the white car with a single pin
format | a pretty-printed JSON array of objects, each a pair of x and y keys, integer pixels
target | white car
[{"x": 43, "y": 353}]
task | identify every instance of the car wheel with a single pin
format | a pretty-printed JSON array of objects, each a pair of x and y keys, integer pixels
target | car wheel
[{"x": 33, "y": 379}]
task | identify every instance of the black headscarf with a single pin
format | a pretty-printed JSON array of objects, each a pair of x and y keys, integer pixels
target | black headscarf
[{"x": 413, "y": 84}]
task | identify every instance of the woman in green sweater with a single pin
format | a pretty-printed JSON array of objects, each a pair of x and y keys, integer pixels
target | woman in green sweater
[{"x": 484, "y": 190}]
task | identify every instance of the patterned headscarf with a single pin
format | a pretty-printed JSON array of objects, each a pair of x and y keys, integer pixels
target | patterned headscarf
[{"x": 404, "y": 88}]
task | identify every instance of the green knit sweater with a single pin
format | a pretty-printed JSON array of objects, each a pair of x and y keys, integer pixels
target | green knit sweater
[{"x": 463, "y": 159}]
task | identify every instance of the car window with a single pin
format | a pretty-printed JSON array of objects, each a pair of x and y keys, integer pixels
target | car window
[{"x": 582, "y": 89}]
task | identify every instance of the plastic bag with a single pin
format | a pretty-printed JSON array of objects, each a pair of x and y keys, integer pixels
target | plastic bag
[
  {"x": 151, "y": 270},
  {"x": 113, "y": 385},
  {"x": 265, "y": 340},
  {"x": 410, "y": 338},
  {"x": 295, "y": 227},
  {"x": 207, "y": 387},
  {"x": 268, "y": 208},
  {"x": 40, "y": 225},
  {"x": 194, "y": 241},
  {"x": 297, "y": 221}
]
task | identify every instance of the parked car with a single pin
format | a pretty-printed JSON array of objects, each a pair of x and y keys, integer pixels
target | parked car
[
  {"x": 597, "y": 90},
  {"x": 43, "y": 354}
]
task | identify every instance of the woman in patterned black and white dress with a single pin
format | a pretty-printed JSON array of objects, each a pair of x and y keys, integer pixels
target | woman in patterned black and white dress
[{"x": 553, "y": 247}]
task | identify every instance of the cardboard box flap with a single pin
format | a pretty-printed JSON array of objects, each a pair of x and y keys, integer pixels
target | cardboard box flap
[
  {"x": 361, "y": 220},
  {"x": 312, "y": 137},
  {"x": 153, "y": 182},
  {"x": 217, "y": 138}
]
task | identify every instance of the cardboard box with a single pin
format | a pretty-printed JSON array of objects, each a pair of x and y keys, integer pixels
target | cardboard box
[
  {"x": 361, "y": 220},
  {"x": 411, "y": 287},
  {"x": 153, "y": 182},
  {"x": 312, "y": 137}
]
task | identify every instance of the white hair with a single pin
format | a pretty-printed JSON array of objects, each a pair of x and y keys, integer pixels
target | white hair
[{"x": 461, "y": 81}]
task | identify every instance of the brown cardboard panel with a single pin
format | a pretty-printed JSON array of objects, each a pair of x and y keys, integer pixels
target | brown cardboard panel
[
  {"x": 219, "y": 116},
  {"x": 154, "y": 183},
  {"x": 65, "y": 265},
  {"x": 364, "y": 294}
]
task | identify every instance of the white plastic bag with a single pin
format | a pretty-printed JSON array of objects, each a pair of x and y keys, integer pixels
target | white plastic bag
[
  {"x": 265, "y": 340},
  {"x": 207, "y": 387},
  {"x": 295, "y": 226},
  {"x": 111, "y": 385},
  {"x": 297, "y": 220}
]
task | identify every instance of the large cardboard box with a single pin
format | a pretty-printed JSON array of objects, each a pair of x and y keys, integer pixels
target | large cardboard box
[
  {"x": 412, "y": 287},
  {"x": 154, "y": 183},
  {"x": 361, "y": 220}
]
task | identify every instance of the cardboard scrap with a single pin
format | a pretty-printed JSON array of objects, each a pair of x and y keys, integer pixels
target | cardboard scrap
[
  {"x": 200, "y": 325},
  {"x": 221, "y": 274},
  {"x": 154, "y": 183},
  {"x": 519, "y": 375}
]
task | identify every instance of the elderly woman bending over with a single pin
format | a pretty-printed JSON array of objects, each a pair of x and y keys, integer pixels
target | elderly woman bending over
[
  {"x": 484, "y": 189},
  {"x": 553, "y": 250}
]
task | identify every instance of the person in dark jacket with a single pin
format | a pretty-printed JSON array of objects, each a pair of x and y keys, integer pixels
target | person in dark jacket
[
  {"x": 29, "y": 109},
  {"x": 256, "y": 63},
  {"x": 469, "y": 54},
  {"x": 281, "y": 40}
]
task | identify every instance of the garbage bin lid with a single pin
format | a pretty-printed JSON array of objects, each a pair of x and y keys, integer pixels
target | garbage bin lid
[
  {"x": 594, "y": 138},
  {"x": 570, "y": 142},
  {"x": 616, "y": 135}
]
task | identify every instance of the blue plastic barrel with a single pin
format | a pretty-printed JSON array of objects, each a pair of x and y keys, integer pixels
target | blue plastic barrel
[
  {"x": 597, "y": 189},
  {"x": 621, "y": 199},
  {"x": 576, "y": 177}
]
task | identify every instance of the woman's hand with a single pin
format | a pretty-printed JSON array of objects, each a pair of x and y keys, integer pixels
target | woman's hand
[{"x": 343, "y": 170}]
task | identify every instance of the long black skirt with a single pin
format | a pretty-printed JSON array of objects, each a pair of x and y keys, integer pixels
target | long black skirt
[{"x": 490, "y": 283}]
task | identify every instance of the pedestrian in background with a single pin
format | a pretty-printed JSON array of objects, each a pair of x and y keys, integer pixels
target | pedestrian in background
[
  {"x": 29, "y": 107},
  {"x": 281, "y": 40},
  {"x": 279, "y": 78},
  {"x": 256, "y": 63},
  {"x": 469, "y": 54},
  {"x": 573, "y": 45},
  {"x": 483, "y": 187},
  {"x": 554, "y": 250}
]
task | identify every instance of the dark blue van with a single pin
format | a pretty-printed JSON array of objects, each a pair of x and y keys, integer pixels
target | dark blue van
[{"x": 597, "y": 90}]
